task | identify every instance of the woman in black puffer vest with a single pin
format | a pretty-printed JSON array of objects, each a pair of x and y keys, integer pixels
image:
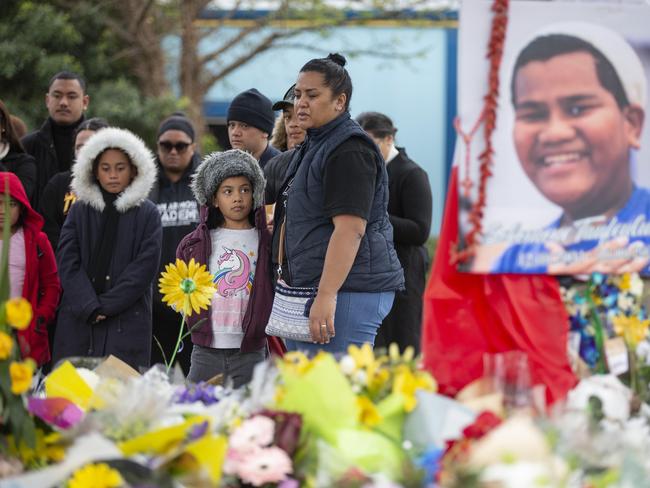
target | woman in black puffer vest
[{"x": 338, "y": 235}]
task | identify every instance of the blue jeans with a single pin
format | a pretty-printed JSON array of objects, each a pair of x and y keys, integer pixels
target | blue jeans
[
  {"x": 356, "y": 321},
  {"x": 207, "y": 362}
]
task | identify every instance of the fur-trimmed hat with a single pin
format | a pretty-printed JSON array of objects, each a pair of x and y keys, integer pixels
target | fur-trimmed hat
[
  {"x": 85, "y": 184},
  {"x": 218, "y": 166}
]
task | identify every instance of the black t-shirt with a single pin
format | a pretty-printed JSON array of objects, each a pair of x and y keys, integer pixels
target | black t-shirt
[{"x": 349, "y": 180}]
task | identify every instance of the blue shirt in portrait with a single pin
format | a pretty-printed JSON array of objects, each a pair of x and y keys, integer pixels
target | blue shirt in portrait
[{"x": 632, "y": 221}]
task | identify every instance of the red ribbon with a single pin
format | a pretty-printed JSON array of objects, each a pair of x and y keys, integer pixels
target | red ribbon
[{"x": 488, "y": 118}]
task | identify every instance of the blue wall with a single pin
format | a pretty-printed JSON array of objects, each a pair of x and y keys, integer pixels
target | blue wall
[{"x": 411, "y": 88}]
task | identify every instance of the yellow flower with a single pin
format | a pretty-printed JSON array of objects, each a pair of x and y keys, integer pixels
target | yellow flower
[
  {"x": 624, "y": 281},
  {"x": 21, "y": 376},
  {"x": 363, "y": 356},
  {"x": 407, "y": 383},
  {"x": 48, "y": 449},
  {"x": 368, "y": 413},
  {"x": 19, "y": 313},
  {"x": 187, "y": 288},
  {"x": 631, "y": 328},
  {"x": 378, "y": 380},
  {"x": 396, "y": 357},
  {"x": 53, "y": 449},
  {"x": 297, "y": 362},
  {"x": 99, "y": 475},
  {"x": 6, "y": 345}
]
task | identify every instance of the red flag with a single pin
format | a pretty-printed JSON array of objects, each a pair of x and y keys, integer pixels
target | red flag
[{"x": 467, "y": 315}]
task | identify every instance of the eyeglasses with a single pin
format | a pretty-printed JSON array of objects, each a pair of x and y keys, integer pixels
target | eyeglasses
[{"x": 167, "y": 146}]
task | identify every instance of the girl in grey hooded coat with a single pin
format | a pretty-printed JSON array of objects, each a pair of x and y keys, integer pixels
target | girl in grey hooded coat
[{"x": 108, "y": 255}]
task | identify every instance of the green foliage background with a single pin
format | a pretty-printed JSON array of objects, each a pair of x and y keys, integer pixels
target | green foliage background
[{"x": 38, "y": 39}]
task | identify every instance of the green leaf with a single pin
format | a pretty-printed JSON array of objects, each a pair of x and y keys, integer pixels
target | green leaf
[
  {"x": 5, "y": 378},
  {"x": 4, "y": 259}
]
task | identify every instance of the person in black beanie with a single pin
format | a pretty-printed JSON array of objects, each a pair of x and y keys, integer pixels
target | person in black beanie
[
  {"x": 53, "y": 144},
  {"x": 250, "y": 124},
  {"x": 177, "y": 159}
]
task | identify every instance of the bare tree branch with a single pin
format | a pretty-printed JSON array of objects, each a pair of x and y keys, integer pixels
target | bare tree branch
[
  {"x": 243, "y": 34},
  {"x": 268, "y": 42},
  {"x": 377, "y": 53},
  {"x": 143, "y": 13}
]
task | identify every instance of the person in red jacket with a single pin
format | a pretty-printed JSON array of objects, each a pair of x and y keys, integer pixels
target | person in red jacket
[{"x": 32, "y": 267}]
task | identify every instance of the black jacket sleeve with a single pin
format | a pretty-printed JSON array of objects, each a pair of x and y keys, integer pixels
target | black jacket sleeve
[
  {"x": 415, "y": 198},
  {"x": 52, "y": 210},
  {"x": 274, "y": 172}
]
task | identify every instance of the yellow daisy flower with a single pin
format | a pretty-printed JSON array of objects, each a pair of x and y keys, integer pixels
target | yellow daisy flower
[
  {"x": 19, "y": 313},
  {"x": 99, "y": 475},
  {"x": 21, "y": 376},
  {"x": 187, "y": 288},
  {"x": 6, "y": 345}
]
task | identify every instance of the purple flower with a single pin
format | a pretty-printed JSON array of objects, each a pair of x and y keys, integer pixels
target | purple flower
[
  {"x": 199, "y": 392},
  {"x": 197, "y": 431},
  {"x": 289, "y": 483}
]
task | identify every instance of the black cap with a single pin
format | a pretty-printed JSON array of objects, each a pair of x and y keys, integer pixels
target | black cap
[
  {"x": 177, "y": 121},
  {"x": 287, "y": 100},
  {"x": 252, "y": 108}
]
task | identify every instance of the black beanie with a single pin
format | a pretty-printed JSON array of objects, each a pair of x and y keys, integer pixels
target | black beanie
[
  {"x": 252, "y": 108},
  {"x": 177, "y": 122}
]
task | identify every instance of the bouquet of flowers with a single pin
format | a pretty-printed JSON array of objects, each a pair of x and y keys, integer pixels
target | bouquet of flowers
[
  {"x": 609, "y": 328},
  {"x": 300, "y": 422}
]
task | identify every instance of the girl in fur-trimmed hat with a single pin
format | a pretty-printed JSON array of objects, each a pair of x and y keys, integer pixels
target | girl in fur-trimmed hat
[
  {"x": 234, "y": 243},
  {"x": 108, "y": 251}
]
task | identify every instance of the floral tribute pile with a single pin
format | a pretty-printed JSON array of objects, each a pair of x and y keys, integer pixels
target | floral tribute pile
[
  {"x": 360, "y": 420},
  {"x": 300, "y": 422}
]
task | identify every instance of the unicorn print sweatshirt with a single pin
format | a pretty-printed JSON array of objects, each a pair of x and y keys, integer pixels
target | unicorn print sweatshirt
[{"x": 232, "y": 263}]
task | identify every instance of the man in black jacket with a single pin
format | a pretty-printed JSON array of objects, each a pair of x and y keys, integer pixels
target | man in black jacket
[
  {"x": 53, "y": 144},
  {"x": 177, "y": 159},
  {"x": 409, "y": 209}
]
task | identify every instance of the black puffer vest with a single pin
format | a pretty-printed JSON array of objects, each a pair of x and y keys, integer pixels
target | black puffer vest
[{"x": 376, "y": 267}]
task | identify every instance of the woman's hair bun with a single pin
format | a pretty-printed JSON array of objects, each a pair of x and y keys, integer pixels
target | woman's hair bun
[{"x": 337, "y": 58}]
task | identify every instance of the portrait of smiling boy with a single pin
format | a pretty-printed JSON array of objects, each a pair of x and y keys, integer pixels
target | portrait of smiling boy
[{"x": 578, "y": 115}]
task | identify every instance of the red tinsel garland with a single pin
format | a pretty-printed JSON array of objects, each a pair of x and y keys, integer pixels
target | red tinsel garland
[{"x": 489, "y": 116}]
